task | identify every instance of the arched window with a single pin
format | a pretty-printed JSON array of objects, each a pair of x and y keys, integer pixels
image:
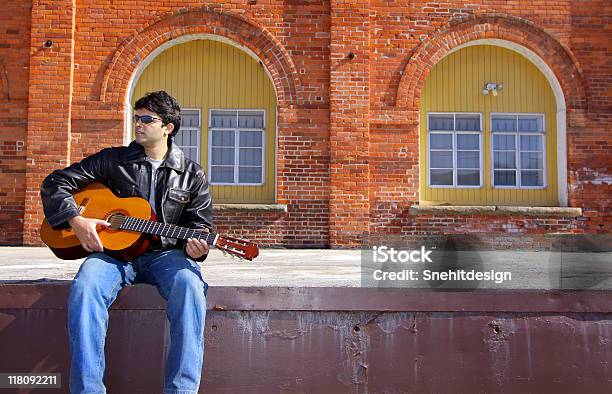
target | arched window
[
  {"x": 229, "y": 115},
  {"x": 488, "y": 131}
]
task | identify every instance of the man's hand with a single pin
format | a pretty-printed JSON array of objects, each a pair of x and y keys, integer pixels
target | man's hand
[
  {"x": 197, "y": 248},
  {"x": 85, "y": 230}
]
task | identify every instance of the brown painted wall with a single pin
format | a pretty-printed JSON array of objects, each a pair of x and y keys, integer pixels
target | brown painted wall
[{"x": 334, "y": 340}]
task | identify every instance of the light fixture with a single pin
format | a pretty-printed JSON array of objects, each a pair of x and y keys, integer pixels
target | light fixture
[{"x": 491, "y": 87}]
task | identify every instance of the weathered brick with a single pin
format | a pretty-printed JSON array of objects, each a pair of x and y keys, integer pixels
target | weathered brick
[{"x": 347, "y": 159}]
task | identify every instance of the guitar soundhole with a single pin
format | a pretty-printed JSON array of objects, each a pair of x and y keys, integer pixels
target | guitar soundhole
[{"x": 116, "y": 220}]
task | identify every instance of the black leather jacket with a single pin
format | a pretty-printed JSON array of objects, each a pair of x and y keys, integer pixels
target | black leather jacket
[{"x": 182, "y": 195}]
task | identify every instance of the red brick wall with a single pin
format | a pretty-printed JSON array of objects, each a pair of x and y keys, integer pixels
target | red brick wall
[
  {"x": 14, "y": 62},
  {"x": 347, "y": 127},
  {"x": 50, "y": 87},
  {"x": 349, "y": 124}
]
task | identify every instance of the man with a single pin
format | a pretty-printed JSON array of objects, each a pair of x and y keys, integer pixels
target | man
[{"x": 154, "y": 168}]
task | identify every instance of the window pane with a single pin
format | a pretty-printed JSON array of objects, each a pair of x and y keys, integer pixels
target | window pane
[
  {"x": 468, "y": 159},
  {"x": 504, "y": 178},
  {"x": 532, "y": 160},
  {"x": 441, "y": 159},
  {"x": 250, "y": 156},
  {"x": 189, "y": 138},
  {"x": 503, "y": 142},
  {"x": 467, "y": 123},
  {"x": 251, "y": 119},
  {"x": 222, "y": 138},
  {"x": 186, "y": 138},
  {"x": 441, "y": 141},
  {"x": 222, "y": 174},
  {"x": 222, "y": 156},
  {"x": 249, "y": 174},
  {"x": 531, "y": 123},
  {"x": 532, "y": 178},
  {"x": 193, "y": 137},
  {"x": 250, "y": 138},
  {"x": 442, "y": 177},
  {"x": 178, "y": 138},
  {"x": 440, "y": 122},
  {"x": 468, "y": 177},
  {"x": 190, "y": 118},
  {"x": 223, "y": 119},
  {"x": 504, "y": 123},
  {"x": 503, "y": 160},
  {"x": 191, "y": 153},
  {"x": 468, "y": 141},
  {"x": 183, "y": 138},
  {"x": 531, "y": 142}
]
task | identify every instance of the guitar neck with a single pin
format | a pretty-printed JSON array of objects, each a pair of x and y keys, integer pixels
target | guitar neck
[{"x": 166, "y": 230}]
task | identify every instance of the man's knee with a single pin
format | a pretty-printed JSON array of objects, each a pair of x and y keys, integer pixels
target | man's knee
[
  {"x": 188, "y": 278},
  {"x": 96, "y": 279},
  {"x": 189, "y": 281}
]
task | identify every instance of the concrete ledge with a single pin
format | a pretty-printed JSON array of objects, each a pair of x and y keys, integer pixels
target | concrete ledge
[
  {"x": 53, "y": 295},
  {"x": 251, "y": 207},
  {"x": 495, "y": 210}
]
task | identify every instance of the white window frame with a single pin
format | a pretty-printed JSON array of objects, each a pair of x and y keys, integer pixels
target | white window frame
[
  {"x": 517, "y": 141},
  {"x": 199, "y": 132},
  {"x": 454, "y": 150},
  {"x": 237, "y": 147}
]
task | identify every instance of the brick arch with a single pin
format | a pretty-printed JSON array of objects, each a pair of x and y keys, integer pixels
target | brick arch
[
  {"x": 492, "y": 26},
  {"x": 204, "y": 21}
]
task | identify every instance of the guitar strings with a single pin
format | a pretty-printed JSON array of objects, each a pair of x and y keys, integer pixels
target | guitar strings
[{"x": 168, "y": 230}]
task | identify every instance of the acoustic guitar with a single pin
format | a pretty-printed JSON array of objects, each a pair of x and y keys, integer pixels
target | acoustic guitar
[{"x": 132, "y": 224}]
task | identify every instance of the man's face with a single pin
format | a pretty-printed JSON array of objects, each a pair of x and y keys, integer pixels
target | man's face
[{"x": 154, "y": 133}]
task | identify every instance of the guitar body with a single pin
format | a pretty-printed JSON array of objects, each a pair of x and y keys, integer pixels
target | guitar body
[
  {"x": 96, "y": 201},
  {"x": 132, "y": 221}
]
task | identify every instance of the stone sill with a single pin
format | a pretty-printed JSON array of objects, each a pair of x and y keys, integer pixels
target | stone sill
[
  {"x": 564, "y": 212},
  {"x": 251, "y": 207}
]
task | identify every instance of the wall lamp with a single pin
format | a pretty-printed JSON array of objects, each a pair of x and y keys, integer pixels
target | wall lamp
[{"x": 492, "y": 88}]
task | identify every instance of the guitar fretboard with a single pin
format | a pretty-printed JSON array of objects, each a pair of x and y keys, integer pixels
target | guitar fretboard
[{"x": 166, "y": 230}]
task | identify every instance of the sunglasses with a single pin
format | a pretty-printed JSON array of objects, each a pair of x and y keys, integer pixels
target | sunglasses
[{"x": 145, "y": 119}]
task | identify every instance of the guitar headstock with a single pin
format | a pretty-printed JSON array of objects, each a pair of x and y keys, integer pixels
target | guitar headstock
[{"x": 237, "y": 247}]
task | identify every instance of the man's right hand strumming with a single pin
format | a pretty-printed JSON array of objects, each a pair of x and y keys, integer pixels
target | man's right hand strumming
[{"x": 85, "y": 230}]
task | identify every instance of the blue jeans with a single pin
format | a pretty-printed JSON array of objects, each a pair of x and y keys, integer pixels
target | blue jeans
[{"x": 96, "y": 287}]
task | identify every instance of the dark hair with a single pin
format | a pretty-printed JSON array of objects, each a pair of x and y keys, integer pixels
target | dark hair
[{"x": 163, "y": 105}]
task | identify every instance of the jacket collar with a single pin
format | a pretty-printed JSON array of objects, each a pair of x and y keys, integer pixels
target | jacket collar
[{"x": 175, "y": 158}]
